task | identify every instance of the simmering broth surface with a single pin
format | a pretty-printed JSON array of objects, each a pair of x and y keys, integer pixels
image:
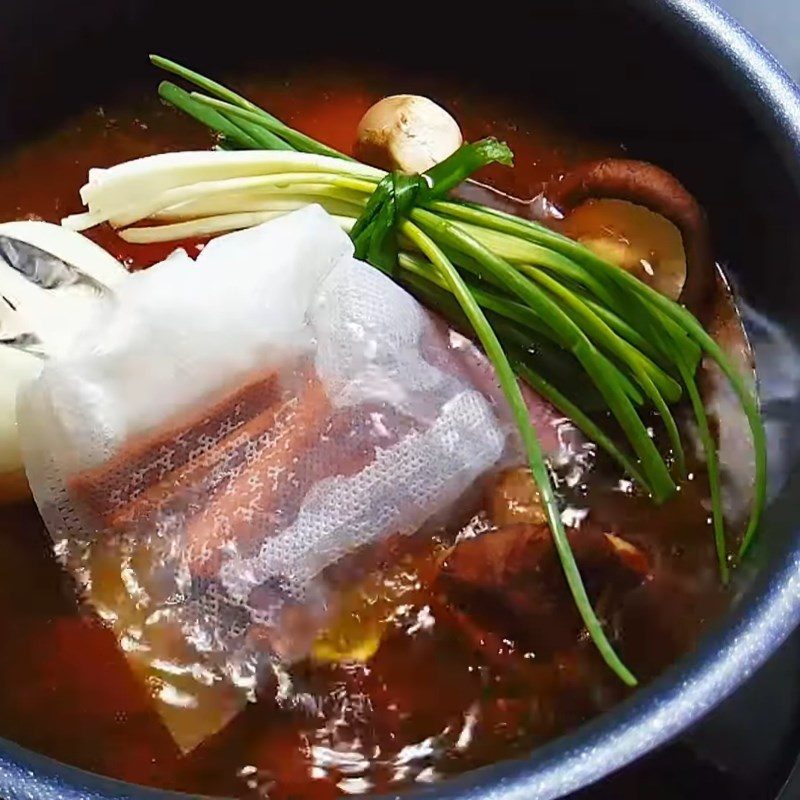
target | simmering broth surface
[{"x": 428, "y": 702}]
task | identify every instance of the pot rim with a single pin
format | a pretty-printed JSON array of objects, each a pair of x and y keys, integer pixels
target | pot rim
[{"x": 686, "y": 691}]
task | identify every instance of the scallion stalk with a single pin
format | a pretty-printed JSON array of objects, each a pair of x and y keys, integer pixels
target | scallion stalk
[{"x": 539, "y": 469}]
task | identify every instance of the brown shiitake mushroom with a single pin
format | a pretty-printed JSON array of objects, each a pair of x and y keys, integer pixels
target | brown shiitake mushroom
[
  {"x": 643, "y": 184},
  {"x": 406, "y": 132}
]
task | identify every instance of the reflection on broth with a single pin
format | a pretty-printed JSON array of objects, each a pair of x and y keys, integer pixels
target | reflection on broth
[{"x": 432, "y": 648}]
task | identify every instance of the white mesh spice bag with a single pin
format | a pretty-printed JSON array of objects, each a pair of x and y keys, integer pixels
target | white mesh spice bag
[{"x": 225, "y": 432}]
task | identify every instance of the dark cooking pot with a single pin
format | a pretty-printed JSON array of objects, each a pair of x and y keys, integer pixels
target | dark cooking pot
[{"x": 676, "y": 80}]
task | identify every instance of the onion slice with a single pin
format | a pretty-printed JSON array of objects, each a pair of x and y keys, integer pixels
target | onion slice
[{"x": 51, "y": 279}]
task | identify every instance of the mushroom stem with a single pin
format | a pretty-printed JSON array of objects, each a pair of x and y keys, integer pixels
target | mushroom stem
[{"x": 652, "y": 187}]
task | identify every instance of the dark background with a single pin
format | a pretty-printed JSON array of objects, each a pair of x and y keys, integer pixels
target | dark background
[{"x": 776, "y": 23}]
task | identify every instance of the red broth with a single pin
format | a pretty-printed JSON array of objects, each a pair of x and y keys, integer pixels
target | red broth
[{"x": 428, "y": 703}]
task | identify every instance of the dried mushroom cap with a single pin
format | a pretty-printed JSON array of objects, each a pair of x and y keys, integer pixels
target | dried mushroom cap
[{"x": 647, "y": 185}]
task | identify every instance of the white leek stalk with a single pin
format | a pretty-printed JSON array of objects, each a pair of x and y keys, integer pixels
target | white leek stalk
[{"x": 136, "y": 189}]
